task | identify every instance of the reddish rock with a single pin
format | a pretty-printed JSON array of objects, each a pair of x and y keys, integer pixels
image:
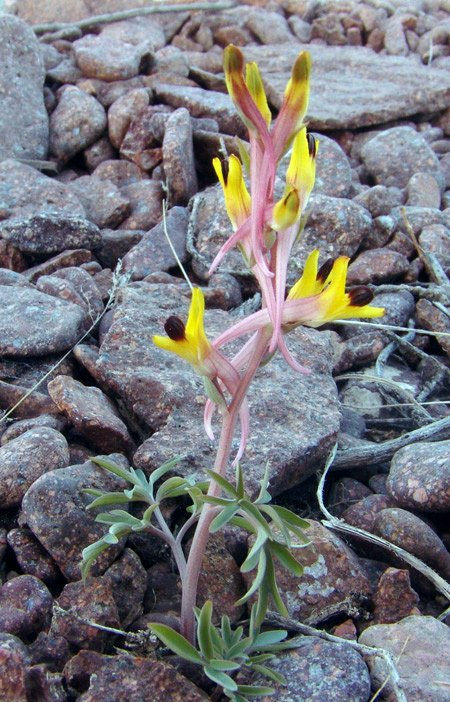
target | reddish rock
[
  {"x": 128, "y": 580},
  {"x": 121, "y": 173},
  {"x": 122, "y": 111},
  {"x": 98, "y": 152},
  {"x": 344, "y": 493},
  {"x": 362, "y": 514},
  {"x": 25, "y": 607},
  {"x": 49, "y": 233},
  {"x": 394, "y": 597},
  {"x": 13, "y": 662},
  {"x": 103, "y": 202},
  {"x": 84, "y": 286},
  {"x": 116, "y": 243},
  {"x": 423, "y": 191},
  {"x": 377, "y": 266},
  {"x": 31, "y": 556},
  {"x": 107, "y": 58},
  {"x": 11, "y": 258},
  {"x": 66, "y": 259},
  {"x": 77, "y": 122},
  {"x": 178, "y": 155},
  {"x": 432, "y": 318},
  {"x": 145, "y": 199},
  {"x": 220, "y": 580}
]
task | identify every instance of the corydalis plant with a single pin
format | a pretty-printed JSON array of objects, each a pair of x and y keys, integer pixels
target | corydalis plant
[{"x": 265, "y": 230}]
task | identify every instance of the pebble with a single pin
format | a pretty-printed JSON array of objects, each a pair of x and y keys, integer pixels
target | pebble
[
  {"x": 419, "y": 645},
  {"x": 435, "y": 239},
  {"x": 128, "y": 580},
  {"x": 11, "y": 258},
  {"x": 25, "y": 459},
  {"x": 78, "y": 121},
  {"x": 54, "y": 508},
  {"x": 52, "y": 650},
  {"x": 413, "y": 535},
  {"x": 418, "y": 217},
  {"x": 15, "y": 429},
  {"x": 333, "y": 173},
  {"x": 178, "y": 157},
  {"x": 419, "y": 476},
  {"x": 423, "y": 191},
  {"x": 379, "y": 199},
  {"x": 145, "y": 199},
  {"x": 394, "y": 155},
  {"x": 116, "y": 243},
  {"x": 122, "y": 111},
  {"x": 32, "y": 557},
  {"x": 432, "y": 318},
  {"x": 15, "y": 658},
  {"x": 102, "y": 200},
  {"x": 394, "y": 598},
  {"x": 92, "y": 414},
  {"x": 394, "y": 38},
  {"x": 345, "y": 492},
  {"x": 23, "y": 117},
  {"x": 25, "y": 607},
  {"x": 50, "y": 233},
  {"x": 363, "y": 513},
  {"x": 66, "y": 259},
  {"x": 153, "y": 252},
  {"x": 121, "y": 173},
  {"x": 268, "y": 27},
  {"x": 107, "y": 58},
  {"x": 377, "y": 266},
  {"x": 98, "y": 152}
]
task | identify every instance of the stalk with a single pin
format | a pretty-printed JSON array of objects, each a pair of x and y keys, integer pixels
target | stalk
[{"x": 195, "y": 558}]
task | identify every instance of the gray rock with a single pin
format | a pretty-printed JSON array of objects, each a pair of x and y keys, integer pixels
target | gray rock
[
  {"x": 423, "y": 191},
  {"x": 122, "y": 111},
  {"x": 377, "y": 266},
  {"x": 25, "y": 459},
  {"x": 34, "y": 324},
  {"x": 419, "y": 645},
  {"x": 128, "y": 579},
  {"x": 435, "y": 239},
  {"x": 23, "y": 117},
  {"x": 145, "y": 198},
  {"x": 379, "y": 200},
  {"x": 32, "y": 558},
  {"x": 77, "y": 122},
  {"x": 106, "y": 58},
  {"x": 268, "y": 27},
  {"x": 418, "y": 217},
  {"x": 419, "y": 476},
  {"x": 86, "y": 290},
  {"x": 396, "y": 154},
  {"x": 153, "y": 252},
  {"x": 25, "y": 606},
  {"x": 49, "y": 233},
  {"x": 353, "y": 86},
  {"x": 103, "y": 202},
  {"x": 178, "y": 156},
  {"x": 164, "y": 393},
  {"x": 15, "y": 659},
  {"x": 318, "y": 670},
  {"x": 54, "y": 508},
  {"x": 116, "y": 243}
]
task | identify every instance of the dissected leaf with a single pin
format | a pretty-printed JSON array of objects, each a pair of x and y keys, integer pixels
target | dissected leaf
[
  {"x": 225, "y": 484},
  {"x": 223, "y": 517},
  {"x": 286, "y": 558}
]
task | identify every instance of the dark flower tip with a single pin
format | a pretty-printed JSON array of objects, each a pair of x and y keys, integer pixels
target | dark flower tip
[
  {"x": 360, "y": 296},
  {"x": 312, "y": 145},
  {"x": 325, "y": 270},
  {"x": 174, "y": 328}
]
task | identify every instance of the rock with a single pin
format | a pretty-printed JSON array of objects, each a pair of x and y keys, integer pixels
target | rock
[
  {"x": 353, "y": 87},
  {"x": 116, "y": 243},
  {"x": 11, "y": 258},
  {"x": 22, "y": 425},
  {"x": 84, "y": 601},
  {"x": 103, "y": 202},
  {"x": 165, "y": 393},
  {"x": 8, "y": 277},
  {"x": 435, "y": 239},
  {"x": 415, "y": 536},
  {"x": 362, "y": 514},
  {"x": 31, "y": 557},
  {"x": 120, "y": 676},
  {"x": 23, "y": 117},
  {"x": 329, "y": 28},
  {"x": 394, "y": 38},
  {"x": 268, "y": 27},
  {"x": 25, "y": 191},
  {"x": 394, "y": 598},
  {"x": 50, "y": 233},
  {"x": 66, "y": 259},
  {"x": 91, "y": 413},
  {"x": 300, "y": 28},
  {"x": 419, "y": 477},
  {"x": 223, "y": 291},
  {"x": 432, "y": 318},
  {"x": 46, "y": 685},
  {"x": 344, "y": 493},
  {"x": 107, "y": 58},
  {"x": 54, "y": 508},
  {"x": 122, "y": 111},
  {"x": 163, "y": 593},
  {"x": 377, "y": 266},
  {"x": 142, "y": 140},
  {"x": 25, "y": 607},
  {"x": 178, "y": 156},
  {"x": 51, "y": 650},
  {"x": 379, "y": 199},
  {"x": 78, "y": 121},
  {"x": 330, "y": 572},
  {"x": 98, "y": 152},
  {"x": 25, "y": 459},
  {"x": 220, "y": 580},
  {"x": 419, "y": 646},
  {"x": 153, "y": 252},
  {"x": 136, "y": 30},
  {"x": 145, "y": 198},
  {"x": 34, "y": 324},
  {"x": 319, "y": 670},
  {"x": 423, "y": 191},
  {"x": 128, "y": 580},
  {"x": 396, "y": 154},
  {"x": 14, "y": 658},
  {"x": 121, "y": 173},
  {"x": 85, "y": 288},
  {"x": 418, "y": 217}
]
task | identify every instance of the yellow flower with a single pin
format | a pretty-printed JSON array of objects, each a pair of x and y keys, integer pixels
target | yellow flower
[
  {"x": 255, "y": 86},
  {"x": 294, "y": 106},
  {"x": 325, "y": 289},
  {"x": 247, "y": 93},
  {"x": 188, "y": 341},
  {"x": 237, "y": 198}
]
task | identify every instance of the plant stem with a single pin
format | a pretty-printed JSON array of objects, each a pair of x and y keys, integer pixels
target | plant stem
[{"x": 195, "y": 559}]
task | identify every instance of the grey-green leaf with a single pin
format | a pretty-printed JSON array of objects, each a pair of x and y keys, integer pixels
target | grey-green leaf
[{"x": 176, "y": 642}]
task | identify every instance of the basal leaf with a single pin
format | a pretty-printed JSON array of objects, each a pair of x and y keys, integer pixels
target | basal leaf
[
  {"x": 220, "y": 678},
  {"x": 269, "y": 637},
  {"x": 203, "y": 630},
  {"x": 286, "y": 558},
  {"x": 114, "y": 468},
  {"x": 176, "y": 642}
]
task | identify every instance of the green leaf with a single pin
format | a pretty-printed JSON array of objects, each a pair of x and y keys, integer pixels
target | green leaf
[
  {"x": 274, "y": 516},
  {"x": 240, "y": 482},
  {"x": 172, "y": 487},
  {"x": 237, "y": 635},
  {"x": 253, "y": 554},
  {"x": 213, "y": 393},
  {"x": 243, "y": 523},
  {"x": 269, "y": 673},
  {"x": 286, "y": 558},
  {"x": 255, "y": 690},
  {"x": 291, "y": 518},
  {"x": 138, "y": 494},
  {"x": 203, "y": 630},
  {"x": 90, "y": 554},
  {"x": 221, "y": 664},
  {"x": 108, "y": 498},
  {"x": 125, "y": 517},
  {"x": 225, "y": 484},
  {"x": 147, "y": 516},
  {"x": 238, "y": 649},
  {"x": 93, "y": 491},
  {"x": 264, "y": 495},
  {"x": 266, "y": 638},
  {"x": 226, "y": 631},
  {"x": 220, "y": 678},
  {"x": 176, "y": 642},
  {"x": 261, "y": 604},
  {"x": 271, "y": 581},
  {"x": 259, "y": 577},
  {"x": 163, "y": 469},
  {"x": 223, "y": 518},
  {"x": 114, "y": 468},
  {"x": 220, "y": 501},
  {"x": 254, "y": 512}
]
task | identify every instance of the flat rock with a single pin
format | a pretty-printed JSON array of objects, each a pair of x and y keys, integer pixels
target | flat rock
[
  {"x": 153, "y": 252},
  {"x": 166, "y": 395},
  {"x": 91, "y": 413},
  {"x": 23, "y": 117},
  {"x": 107, "y": 58},
  {"x": 354, "y": 86},
  {"x": 77, "y": 122},
  {"x": 25, "y": 191},
  {"x": 66, "y": 259},
  {"x": 419, "y": 645},
  {"x": 49, "y": 233},
  {"x": 35, "y": 324},
  {"x": 54, "y": 508},
  {"x": 419, "y": 476},
  {"x": 25, "y": 459},
  {"x": 321, "y": 670},
  {"x": 394, "y": 155}
]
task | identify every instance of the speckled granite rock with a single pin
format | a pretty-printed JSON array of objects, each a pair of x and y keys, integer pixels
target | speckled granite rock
[
  {"x": 419, "y": 477},
  {"x": 14, "y": 658},
  {"x": 25, "y": 606},
  {"x": 49, "y": 233},
  {"x": 77, "y": 122}
]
